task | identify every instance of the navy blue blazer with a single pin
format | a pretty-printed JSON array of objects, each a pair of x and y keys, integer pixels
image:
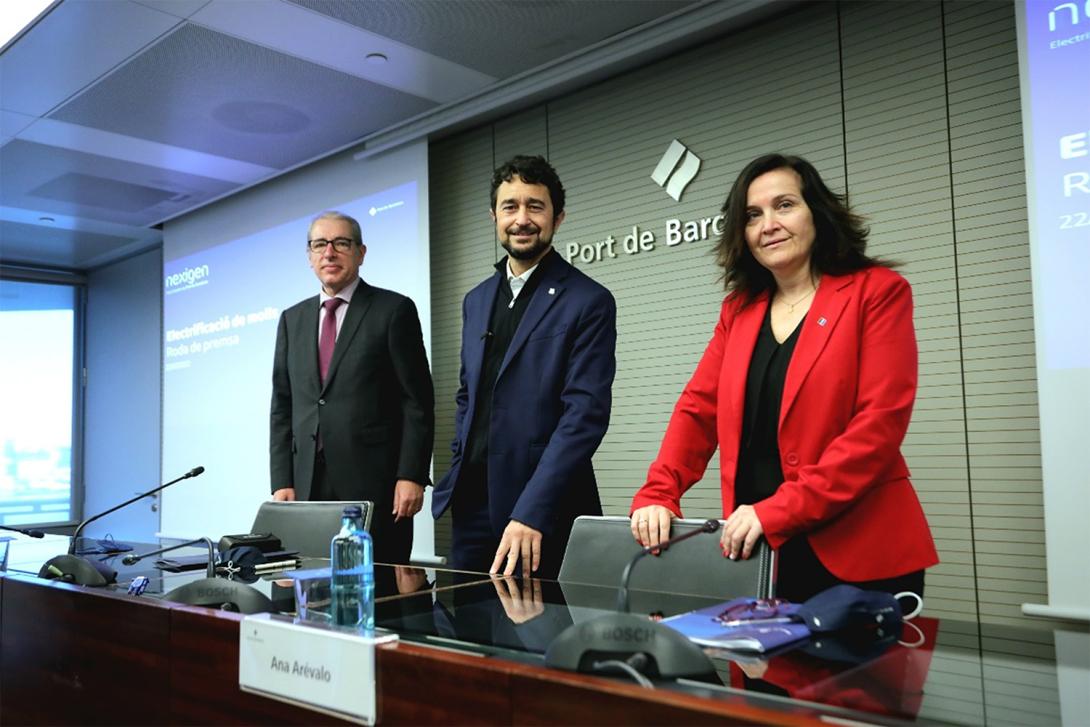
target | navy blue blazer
[{"x": 551, "y": 403}]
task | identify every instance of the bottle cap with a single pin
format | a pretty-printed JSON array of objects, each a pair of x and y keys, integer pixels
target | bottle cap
[{"x": 352, "y": 511}]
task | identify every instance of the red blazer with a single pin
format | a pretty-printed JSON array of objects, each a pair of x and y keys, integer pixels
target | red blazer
[{"x": 847, "y": 402}]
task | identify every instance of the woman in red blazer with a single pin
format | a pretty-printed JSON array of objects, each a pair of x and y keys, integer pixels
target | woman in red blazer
[{"x": 807, "y": 389}]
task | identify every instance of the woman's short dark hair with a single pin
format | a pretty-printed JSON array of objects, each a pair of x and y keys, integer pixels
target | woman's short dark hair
[
  {"x": 531, "y": 170},
  {"x": 839, "y": 244}
]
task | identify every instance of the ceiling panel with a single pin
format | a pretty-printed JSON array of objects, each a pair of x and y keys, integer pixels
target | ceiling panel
[
  {"x": 501, "y": 39},
  {"x": 207, "y": 91},
  {"x": 320, "y": 39},
  {"x": 95, "y": 191},
  {"x": 58, "y": 248},
  {"x": 177, "y": 8},
  {"x": 118, "y": 114},
  {"x": 62, "y": 181},
  {"x": 70, "y": 48}
]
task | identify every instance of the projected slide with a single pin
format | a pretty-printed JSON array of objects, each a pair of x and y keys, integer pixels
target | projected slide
[
  {"x": 1057, "y": 58},
  {"x": 220, "y": 312},
  {"x": 1054, "y": 60}
]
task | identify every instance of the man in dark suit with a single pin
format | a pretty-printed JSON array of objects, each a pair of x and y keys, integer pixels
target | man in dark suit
[
  {"x": 538, "y": 360},
  {"x": 352, "y": 407}
]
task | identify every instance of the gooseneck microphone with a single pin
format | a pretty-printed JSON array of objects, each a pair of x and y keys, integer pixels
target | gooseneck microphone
[
  {"x": 81, "y": 571},
  {"x": 210, "y": 591},
  {"x": 133, "y": 558},
  {"x": 75, "y": 536},
  {"x": 709, "y": 526},
  {"x": 33, "y": 533},
  {"x": 632, "y": 644}
]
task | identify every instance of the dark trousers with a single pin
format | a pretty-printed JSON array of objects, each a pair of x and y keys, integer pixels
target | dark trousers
[
  {"x": 800, "y": 575},
  {"x": 393, "y": 541},
  {"x": 474, "y": 542}
]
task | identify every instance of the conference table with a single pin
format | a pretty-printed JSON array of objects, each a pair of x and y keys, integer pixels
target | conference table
[{"x": 471, "y": 651}]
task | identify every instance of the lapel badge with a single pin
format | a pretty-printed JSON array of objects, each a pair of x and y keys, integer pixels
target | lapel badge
[
  {"x": 552, "y": 291},
  {"x": 822, "y": 321}
]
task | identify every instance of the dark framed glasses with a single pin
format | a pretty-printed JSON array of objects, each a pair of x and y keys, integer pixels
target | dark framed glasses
[
  {"x": 340, "y": 244},
  {"x": 756, "y": 610}
]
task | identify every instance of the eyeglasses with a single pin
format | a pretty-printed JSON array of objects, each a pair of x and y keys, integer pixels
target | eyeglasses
[
  {"x": 340, "y": 244},
  {"x": 755, "y": 610}
]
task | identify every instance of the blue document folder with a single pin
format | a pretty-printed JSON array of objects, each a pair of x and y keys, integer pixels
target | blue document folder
[{"x": 761, "y": 636}]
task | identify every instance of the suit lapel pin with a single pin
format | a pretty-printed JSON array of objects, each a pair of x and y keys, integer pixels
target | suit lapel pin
[
  {"x": 552, "y": 291},
  {"x": 822, "y": 321}
]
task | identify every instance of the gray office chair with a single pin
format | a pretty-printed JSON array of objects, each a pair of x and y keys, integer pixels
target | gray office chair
[
  {"x": 307, "y": 527},
  {"x": 601, "y": 547}
]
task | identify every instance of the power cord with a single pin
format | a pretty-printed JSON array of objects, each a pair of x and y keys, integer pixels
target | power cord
[{"x": 631, "y": 666}]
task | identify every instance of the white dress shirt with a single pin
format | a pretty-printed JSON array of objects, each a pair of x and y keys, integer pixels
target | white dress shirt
[{"x": 517, "y": 282}]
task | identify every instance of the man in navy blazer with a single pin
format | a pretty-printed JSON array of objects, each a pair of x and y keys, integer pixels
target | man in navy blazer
[{"x": 538, "y": 359}]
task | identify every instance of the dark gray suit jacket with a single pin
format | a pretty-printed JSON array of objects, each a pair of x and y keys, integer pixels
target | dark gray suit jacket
[{"x": 376, "y": 411}]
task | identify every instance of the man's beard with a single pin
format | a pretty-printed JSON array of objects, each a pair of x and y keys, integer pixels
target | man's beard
[{"x": 526, "y": 253}]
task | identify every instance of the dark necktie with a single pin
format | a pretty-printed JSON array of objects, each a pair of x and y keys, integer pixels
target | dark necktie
[{"x": 328, "y": 336}]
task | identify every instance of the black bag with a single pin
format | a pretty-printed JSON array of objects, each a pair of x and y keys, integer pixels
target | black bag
[{"x": 265, "y": 542}]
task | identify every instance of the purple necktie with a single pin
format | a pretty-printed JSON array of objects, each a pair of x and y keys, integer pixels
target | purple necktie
[{"x": 328, "y": 336}]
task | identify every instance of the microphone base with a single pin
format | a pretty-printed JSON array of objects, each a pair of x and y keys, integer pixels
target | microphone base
[
  {"x": 74, "y": 569},
  {"x": 619, "y": 636},
  {"x": 221, "y": 594}
]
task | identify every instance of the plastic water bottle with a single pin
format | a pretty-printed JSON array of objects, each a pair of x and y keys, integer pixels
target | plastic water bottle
[{"x": 353, "y": 573}]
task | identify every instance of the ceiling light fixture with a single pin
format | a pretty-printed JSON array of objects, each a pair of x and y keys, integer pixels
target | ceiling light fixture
[
  {"x": 376, "y": 59},
  {"x": 47, "y": 220}
]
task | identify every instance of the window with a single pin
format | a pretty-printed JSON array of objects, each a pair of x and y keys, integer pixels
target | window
[{"x": 39, "y": 326}]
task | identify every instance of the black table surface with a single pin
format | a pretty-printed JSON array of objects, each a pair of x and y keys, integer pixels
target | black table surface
[{"x": 941, "y": 671}]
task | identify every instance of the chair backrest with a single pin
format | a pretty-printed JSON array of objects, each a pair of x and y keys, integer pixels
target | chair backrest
[
  {"x": 601, "y": 547},
  {"x": 307, "y": 527}
]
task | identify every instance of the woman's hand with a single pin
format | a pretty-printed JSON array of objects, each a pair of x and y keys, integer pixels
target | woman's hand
[
  {"x": 741, "y": 532},
  {"x": 651, "y": 525}
]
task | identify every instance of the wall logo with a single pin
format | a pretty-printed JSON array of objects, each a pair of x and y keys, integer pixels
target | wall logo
[
  {"x": 673, "y": 175},
  {"x": 674, "y": 172}
]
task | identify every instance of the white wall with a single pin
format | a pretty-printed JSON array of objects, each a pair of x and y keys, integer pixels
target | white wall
[{"x": 121, "y": 426}]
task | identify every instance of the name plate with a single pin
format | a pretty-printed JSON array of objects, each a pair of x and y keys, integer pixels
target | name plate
[{"x": 310, "y": 665}]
